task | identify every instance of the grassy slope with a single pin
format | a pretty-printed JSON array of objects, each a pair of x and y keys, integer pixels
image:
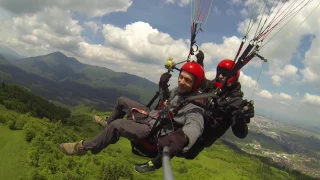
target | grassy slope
[
  {"x": 217, "y": 162},
  {"x": 13, "y": 153},
  {"x": 206, "y": 166}
]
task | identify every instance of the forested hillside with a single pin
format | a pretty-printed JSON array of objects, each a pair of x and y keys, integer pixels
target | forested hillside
[{"x": 31, "y": 136}]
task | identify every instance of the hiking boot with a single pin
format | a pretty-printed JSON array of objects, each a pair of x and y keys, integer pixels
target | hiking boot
[
  {"x": 145, "y": 167},
  {"x": 75, "y": 148},
  {"x": 99, "y": 120}
]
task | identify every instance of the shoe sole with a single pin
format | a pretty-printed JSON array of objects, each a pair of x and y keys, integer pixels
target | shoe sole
[
  {"x": 66, "y": 153},
  {"x": 64, "y": 150},
  {"x": 143, "y": 172},
  {"x": 93, "y": 119}
]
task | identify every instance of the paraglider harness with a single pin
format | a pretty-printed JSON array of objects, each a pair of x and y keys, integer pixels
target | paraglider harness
[{"x": 148, "y": 147}]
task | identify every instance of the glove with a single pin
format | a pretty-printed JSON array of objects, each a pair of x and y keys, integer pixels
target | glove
[
  {"x": 200, "y": 58},
  {"x": 247, "y": 111},
  {"x": 164, "y": 79},
  {"x": 240, "y": 130},
  {"x": 176, "y": 141}
]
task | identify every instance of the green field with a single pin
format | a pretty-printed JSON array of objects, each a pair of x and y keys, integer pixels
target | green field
[{"x": 13, "y": 153}]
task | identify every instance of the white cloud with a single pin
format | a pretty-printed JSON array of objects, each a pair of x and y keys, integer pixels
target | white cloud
[
  {"x": 247, "y": 81},
  {"x": 288, "y": 72},
  {"x": 144, "y": 43},
  {"x": 43, "y": 32},
  {"x": 265, "y": 94},
  {"x": 297, "y": 93},
  {"x": 276, "y": 80},
  {"x": 218, "y": 52},
  {"x": 117, "y": 59},
  {"x": 102, "y": 53},
  {"x": 310, "y": 75},
  {"x": 283, "y": 96},
  {"x": 211, "y": 74},
  {"x": 94, "y": 26},
  {"x": 276, "y": 97},
  {"x": 311, "y": 99},
  {"x": 181, "y": 3},
  {"x": 93, "y": 8},
  {"x": 244, "y": 13}
]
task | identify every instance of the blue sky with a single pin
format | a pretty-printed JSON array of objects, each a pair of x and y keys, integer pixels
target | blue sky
[{"x": 136, "y": 36}]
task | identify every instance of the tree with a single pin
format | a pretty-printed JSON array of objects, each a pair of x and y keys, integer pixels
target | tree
[{"x": 10, "y": 124}]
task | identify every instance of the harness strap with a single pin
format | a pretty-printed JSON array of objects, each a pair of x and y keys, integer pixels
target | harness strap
[{"x": 139, "y": 111}]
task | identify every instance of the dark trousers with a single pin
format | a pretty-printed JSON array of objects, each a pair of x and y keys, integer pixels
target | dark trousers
[
  {"x": 123, "y": 107},
  {"x": 111, "y": 134},
  {"x": 119, "y": 127}
]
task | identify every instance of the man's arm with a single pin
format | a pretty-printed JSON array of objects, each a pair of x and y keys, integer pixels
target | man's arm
[
  {"x": 163, "y": 84},
  {"x": 194, "y": 126},
  {"x": 185, "y": 137},
  {"x": 242, "y": 117}
]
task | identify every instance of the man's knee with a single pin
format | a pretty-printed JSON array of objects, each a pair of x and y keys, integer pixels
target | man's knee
[
  {"x": 130, "y": 129},
  {"x": 122, "y": 100},
  {"x": 116, "y": 124}
]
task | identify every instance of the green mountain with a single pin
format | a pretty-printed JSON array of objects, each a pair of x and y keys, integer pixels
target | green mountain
[
  {"x": 60, "y": 78},
  {"x": 58, "y": 67}
]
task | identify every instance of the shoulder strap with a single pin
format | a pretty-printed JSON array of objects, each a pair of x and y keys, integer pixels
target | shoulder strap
[{"x": 173, "y": 93}]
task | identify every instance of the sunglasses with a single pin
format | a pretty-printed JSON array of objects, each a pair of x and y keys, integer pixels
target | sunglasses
[{"x": 223, "y": 71}]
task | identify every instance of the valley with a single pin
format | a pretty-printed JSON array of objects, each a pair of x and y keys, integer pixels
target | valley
[{"x": 287, "y": 145}]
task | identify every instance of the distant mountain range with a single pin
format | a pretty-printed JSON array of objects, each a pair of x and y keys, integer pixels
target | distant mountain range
[
  {"x": 9, "y": 53},
  {"x": 64, "y": 79}
]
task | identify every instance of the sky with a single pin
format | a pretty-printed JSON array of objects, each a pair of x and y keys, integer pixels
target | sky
[{"x": 137, "y": 36}]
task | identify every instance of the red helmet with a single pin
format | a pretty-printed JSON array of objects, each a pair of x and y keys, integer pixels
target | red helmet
[
  {"x": 224, "y": 67},
  {"x": 197, "y": 71}
]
